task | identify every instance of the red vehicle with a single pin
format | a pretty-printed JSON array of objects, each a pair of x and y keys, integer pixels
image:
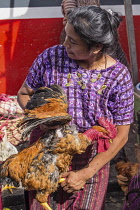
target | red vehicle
[{"x": 28, "y": 27}]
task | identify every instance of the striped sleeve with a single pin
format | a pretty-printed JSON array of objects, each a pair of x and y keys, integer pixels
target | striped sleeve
[
  {"x": 34, "y": 78},
  {"x": 121, "y": 100},
  {"x": 87, "y": 2},
  {"x": 67, "y": 5}
]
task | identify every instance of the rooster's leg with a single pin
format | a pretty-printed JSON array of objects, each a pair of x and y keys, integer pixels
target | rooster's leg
[
  {"x": 61, "y": 180},
  {"x": 8, "y": 187},
  {"x": 46, "y": 206}
]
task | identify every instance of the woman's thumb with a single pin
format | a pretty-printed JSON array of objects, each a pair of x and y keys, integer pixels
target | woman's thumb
[{"x": 65, "y": 174}]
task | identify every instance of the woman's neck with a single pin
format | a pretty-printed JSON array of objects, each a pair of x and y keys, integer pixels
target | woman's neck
[{"x": 98, "y": 62}]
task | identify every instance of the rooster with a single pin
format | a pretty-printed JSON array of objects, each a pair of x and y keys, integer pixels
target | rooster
[
  {"x": 127, "y": 170},
  {"x": 40, "y": 166}
]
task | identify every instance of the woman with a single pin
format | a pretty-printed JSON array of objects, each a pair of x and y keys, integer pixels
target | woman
[
  {"x": 66, "y": 5},
  {"x": 96, "y": 86}
]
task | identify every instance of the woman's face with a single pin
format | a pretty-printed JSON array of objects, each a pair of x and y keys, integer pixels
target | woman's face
[{"x": 76, "y": 48}]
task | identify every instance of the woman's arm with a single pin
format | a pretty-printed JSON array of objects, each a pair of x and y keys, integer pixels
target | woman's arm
[
  {"x": 102, "y": 158},
  {"x": 76, "y": 180},
  {"x": 24, "y": 95}
]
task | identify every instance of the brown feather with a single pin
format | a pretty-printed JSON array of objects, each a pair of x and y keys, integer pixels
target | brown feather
[
  {"x": 39, "y": 167},
  {"x": 127, "y": 169}
]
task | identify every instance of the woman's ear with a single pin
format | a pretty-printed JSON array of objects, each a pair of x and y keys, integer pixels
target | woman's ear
[{"x": 96, "y": 49}]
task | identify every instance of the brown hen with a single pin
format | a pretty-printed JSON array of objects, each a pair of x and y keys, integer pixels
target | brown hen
[
  {"x": 40, "y": 166},
  {"x": 127, "y": 170}
]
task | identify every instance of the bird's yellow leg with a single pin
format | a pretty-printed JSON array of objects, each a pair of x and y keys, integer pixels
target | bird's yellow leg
[
  {"x": 8, "y": 187},
  {"x": 46, "y": 206},
  {"x": 61, "y": 180}
]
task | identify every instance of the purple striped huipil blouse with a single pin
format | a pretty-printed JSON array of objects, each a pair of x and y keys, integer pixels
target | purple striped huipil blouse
[{"x": 91, "y": 94}]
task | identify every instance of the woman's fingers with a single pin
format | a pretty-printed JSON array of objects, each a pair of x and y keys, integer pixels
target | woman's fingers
[
  {"x": 71, "y": 190},
  {"x": 122, "y": 178},
  {"x": 73, "y": 181}
]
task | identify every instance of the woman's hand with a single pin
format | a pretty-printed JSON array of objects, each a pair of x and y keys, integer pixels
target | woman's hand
[
  {"x": 75, "y": 180},
  {"x": 123, "y": 182},
  {"x": 64, "y": 21}
]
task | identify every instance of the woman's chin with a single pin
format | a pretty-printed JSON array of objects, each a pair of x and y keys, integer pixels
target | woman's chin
[{"x": 71, "y": 55}]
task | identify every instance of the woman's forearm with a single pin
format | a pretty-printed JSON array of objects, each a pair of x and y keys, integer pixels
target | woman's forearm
[
  {"x": 24, "y": 95},
  {"x": 102, "y": 158},
  {"x": 23, "y": 100}
]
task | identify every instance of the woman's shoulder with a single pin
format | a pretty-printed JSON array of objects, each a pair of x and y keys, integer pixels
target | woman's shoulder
[
  {"x": 53, "y": 53},
  {"x": 121, "y": 69},
  {"x": 116, "y": 71},
  {"x": 111, "y": 62},
  {"x": 115, "y": 65},
  {"x": 56, "y": 49}
]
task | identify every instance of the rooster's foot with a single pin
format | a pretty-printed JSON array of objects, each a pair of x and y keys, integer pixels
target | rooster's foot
[
  {"x": 61, "y": 180},
  {"x": 46, "y": 206},
  {"x": 8, "y": 187}
]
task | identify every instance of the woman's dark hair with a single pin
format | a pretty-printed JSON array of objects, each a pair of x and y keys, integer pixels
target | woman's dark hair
[{"x": 96, "y": 26}]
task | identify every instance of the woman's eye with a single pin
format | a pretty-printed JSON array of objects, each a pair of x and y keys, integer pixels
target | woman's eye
[{"x": 72, "y": 41}]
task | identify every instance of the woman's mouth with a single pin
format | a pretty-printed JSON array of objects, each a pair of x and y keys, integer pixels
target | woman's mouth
[{"x": 68, "y": 52}]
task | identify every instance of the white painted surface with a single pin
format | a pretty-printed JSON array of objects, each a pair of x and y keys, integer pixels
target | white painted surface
[{"x": 51, "y": 12}]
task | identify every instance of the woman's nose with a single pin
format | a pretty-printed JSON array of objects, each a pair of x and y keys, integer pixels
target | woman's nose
[{"x": 66, "y": 43}]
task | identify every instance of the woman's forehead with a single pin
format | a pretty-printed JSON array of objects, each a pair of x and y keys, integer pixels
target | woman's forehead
[
  {"x": 71, "y": 33},
  {"x": 70, "y": 29}
]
